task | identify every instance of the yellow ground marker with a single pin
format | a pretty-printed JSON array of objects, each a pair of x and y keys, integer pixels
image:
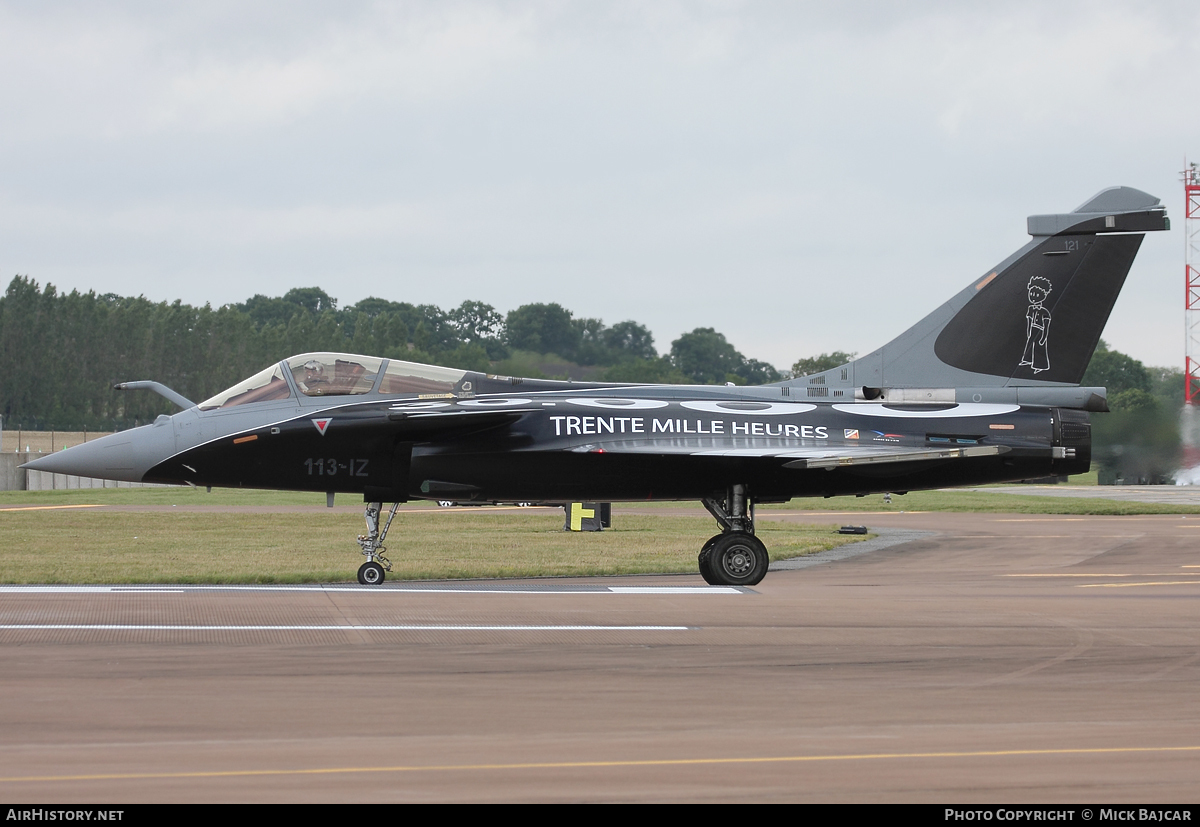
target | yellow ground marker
[
  {"x": 1163, "y": 574},
  {"x": 1131, "y": 585},
  {"x": 551, "y": 765}
]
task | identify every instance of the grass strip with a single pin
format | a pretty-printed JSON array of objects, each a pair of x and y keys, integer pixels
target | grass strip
[
  {"x": 80, "y": 546},
  {"x": 987, "y": 502},
  {"x": 990, "y": 500}
]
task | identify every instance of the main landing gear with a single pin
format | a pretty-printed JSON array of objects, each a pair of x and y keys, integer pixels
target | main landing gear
[
  {"x": 735, "y": 557},
  {"x": 371, "y": 573}
]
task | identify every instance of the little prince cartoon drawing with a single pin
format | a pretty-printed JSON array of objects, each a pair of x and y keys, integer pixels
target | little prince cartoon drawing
[{"x": 1037, "y": 326}]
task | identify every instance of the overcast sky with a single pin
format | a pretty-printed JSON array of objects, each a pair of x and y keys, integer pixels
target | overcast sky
[{"x": 803, "y": 177}]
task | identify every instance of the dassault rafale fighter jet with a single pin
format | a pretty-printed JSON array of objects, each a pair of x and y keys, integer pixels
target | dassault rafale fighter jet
[{"x": 984, "y": 389}]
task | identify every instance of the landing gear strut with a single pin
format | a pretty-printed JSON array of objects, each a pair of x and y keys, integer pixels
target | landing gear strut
[
  {"x": 371, "y": 573},
  {"x": 735, "y": 557}
]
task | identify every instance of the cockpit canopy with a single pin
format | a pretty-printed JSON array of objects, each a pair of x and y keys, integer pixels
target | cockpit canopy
[
  {"x": 338, "y": 374},
  {"x": 264, "y": 386},
  {"x": 334, "y": 374}
]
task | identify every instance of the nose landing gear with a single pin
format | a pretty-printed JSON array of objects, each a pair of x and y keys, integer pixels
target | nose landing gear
[{"x": 371, "y": 573}]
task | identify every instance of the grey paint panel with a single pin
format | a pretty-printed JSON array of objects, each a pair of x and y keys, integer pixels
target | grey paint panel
[
  {"x": 1118, "y": 199},
  {"x": 845, "y": 460}
]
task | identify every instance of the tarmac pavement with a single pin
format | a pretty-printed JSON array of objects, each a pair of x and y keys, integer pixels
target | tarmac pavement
[{"x": 1003, "y": 658}]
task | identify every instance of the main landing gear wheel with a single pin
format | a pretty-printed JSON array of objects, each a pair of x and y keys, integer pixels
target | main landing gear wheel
[
  {"x": 370, "y": 574},
  {"x": 705, "y": 561},
  {"x": 734, "y": 559}
]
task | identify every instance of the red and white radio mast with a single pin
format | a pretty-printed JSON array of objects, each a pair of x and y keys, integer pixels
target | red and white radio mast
[
  {"x": 1189, "y": 417},
  {"x": 1191, "y": 258}
]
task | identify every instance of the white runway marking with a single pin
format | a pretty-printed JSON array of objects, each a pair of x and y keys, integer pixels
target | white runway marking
[
  {"x": 523, "y": 590},
  {"x": 673, "y": 590},
  {"x": 432, "y": 627}
]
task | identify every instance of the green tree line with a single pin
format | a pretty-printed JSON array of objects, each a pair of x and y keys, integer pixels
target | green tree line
[
  {"x": 1138, "y": 441},
  {"x": 62, "y": 352}
]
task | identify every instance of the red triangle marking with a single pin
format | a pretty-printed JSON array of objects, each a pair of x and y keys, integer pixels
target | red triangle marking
[{"x": 322, "y": 424}]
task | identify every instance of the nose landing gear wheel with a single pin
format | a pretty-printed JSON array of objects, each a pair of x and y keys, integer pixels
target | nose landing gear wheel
[
  {"x": 370, "y": 574},
  {"x": 735, "y": 559}
]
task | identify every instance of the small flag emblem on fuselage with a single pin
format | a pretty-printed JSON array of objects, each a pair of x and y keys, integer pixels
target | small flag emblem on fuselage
[
  {"x": 322, "y": 424},
  {"x": 851, "y": 433}
]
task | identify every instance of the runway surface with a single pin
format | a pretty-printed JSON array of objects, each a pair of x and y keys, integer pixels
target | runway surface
[
  {"x": 1006, "y": 658},
  {"x": 1169, "y": 494}
]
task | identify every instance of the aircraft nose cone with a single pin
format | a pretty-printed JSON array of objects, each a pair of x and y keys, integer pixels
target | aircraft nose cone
[{"x": 126, "y": 456}]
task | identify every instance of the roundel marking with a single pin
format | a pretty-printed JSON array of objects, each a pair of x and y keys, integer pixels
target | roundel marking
[
  {"x": 941, "y": 412},
  {"x": 503, "y": 402},
  {"x": 755, "y": 408},
  {"x": 621, "y": 404}
]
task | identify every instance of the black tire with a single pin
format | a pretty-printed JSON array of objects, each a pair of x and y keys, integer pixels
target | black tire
[
  {"x": 737, "y": 559},
  {"x": 705, "y": 561},
  {"x": 370, "y": 574}
]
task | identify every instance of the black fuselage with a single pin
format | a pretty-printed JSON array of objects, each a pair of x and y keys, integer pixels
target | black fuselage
[{"x": 553, "y": 448}]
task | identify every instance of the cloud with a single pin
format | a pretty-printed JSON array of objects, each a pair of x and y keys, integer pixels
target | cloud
[{"x": 684, "y": 164}]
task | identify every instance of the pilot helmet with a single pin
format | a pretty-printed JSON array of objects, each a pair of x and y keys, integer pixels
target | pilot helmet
[{"x": 314, "y": 371}]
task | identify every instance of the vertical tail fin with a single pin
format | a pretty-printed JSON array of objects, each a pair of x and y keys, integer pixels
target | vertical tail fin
[{"x": 1031, "y": 322}]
